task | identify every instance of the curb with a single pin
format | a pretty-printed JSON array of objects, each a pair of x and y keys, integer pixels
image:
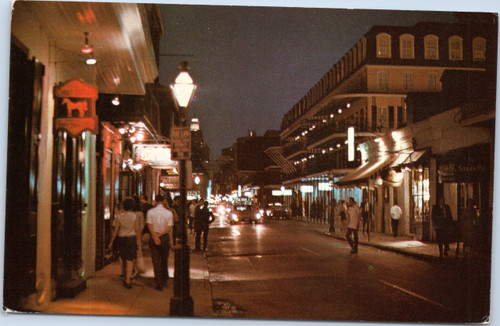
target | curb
[{"x": 387, "y": 248}]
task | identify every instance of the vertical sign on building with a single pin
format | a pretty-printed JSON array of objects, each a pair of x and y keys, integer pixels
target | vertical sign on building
[{"x": 350, "y": 144}]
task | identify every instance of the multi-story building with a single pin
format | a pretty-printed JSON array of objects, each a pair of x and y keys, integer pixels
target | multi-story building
[
  {"x": 361, "y": 99},
  {"x": 65, "y": 149}
]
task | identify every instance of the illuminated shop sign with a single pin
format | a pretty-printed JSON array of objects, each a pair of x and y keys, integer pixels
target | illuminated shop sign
[
  {"x": 154, "y": 155},
  {"x": 325, "y": 186},
  {"x": 285, "y": 192},
  {"x": 306, "y": 189},
  {"x": 74, "y": 107}
]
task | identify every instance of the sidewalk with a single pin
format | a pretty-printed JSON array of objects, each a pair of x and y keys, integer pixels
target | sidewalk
[
  {"x": 105, "y": 294},
  {"x": 404, "y": 245}
]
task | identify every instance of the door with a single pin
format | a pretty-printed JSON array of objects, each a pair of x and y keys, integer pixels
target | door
[
  {"x": 68, "y": 207},
  {"x": 25, "y": 93}
]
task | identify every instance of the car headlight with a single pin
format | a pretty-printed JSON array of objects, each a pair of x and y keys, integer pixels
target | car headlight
[
  {"x": 268, "y": 212},
  {"x": 234, "y": 217},
  {"x": 261, "y": 211},
  {"x": 258, "y": 216}
]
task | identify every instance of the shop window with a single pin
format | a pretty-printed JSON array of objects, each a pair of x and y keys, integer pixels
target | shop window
[
  {"x": 406, "y": 48},
  {"x": 383, "y": 45},
  {"x": 455, "y": 48},
  {"x": 479, "y": 49},
  {"x": 431, "y": 47},
  {"x": 421, "y": 195}
]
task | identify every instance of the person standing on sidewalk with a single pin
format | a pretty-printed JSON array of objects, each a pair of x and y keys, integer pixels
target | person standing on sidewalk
[
  {"x": 128, "y": 238},
  {"x": 353, "y": 218},
  {"x": 366, "y": 213},
  {"x": 203, "y": 219},
  {"x": 160, "y": 221},
  {"x": 442, "y": 222},
  {"x": 396, "y": 214}
]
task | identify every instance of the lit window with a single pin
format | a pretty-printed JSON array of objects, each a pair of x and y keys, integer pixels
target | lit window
[
  {"x": 455, "y": 48},
  {"x": 431, "y": 47},
  {"x": 382, "y": 81},
  {"x": 408, "y": 81},
  {"x": 383, "y": 45},
  {"x": 479, "y": 49},
  {"x": 432, "y": 82},
  {"x": 406, "y": 49}
]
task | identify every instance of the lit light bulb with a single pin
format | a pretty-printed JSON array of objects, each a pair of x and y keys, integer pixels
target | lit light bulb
[
  {"x": 115, "y": 101},
  {"x": 140, "y": 136},
  {"x": 91, "y": 61}
]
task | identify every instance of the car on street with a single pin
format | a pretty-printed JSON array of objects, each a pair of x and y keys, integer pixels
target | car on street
[
  {"x": 276, "y": 211},
  {"x": 247, "y": 213}
]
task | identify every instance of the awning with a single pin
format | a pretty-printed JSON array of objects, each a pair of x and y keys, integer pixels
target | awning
[
  {"x": 275, "y": 154},
  {"x": 361, "y": 175},
  {"x": 408, "y": 159}
]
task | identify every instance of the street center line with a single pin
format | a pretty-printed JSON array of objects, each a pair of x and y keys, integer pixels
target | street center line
[
  {"x": 309, "y": 251},
  {"x": 415, "y": 295}
]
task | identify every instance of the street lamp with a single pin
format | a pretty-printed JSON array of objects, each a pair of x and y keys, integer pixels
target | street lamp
[{"x": 181, "y": 304}]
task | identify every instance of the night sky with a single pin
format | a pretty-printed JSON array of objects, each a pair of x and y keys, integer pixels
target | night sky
[{"x": 252, "y": 64}]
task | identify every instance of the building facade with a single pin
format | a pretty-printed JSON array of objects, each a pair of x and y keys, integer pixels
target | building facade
[
  {"x": 323, "y": 150},
  {"x": 64, "y": 186}
]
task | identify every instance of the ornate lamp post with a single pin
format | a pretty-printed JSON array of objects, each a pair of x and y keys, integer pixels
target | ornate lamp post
[{"x": 181, "y": 304}]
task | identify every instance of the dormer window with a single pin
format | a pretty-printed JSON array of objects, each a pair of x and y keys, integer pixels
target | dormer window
[
  {"x": 455, "y": 48},
  {"x": 431, "y": 47},
  {"x": 406, "y": 48},
  {"x": 479, "y": 49},
  {"x": 383, "y": 45}
]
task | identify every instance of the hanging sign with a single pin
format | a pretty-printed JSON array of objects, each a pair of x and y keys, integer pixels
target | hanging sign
[
  {"x": 74, "y": 107},
  {"x": 181, "y": 143}
]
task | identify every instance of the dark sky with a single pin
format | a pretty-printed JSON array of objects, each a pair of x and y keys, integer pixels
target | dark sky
[{"x": 252, "y": 64}]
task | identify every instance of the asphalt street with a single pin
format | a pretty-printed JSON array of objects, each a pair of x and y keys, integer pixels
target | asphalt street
[{"x": 284, "y": 270}]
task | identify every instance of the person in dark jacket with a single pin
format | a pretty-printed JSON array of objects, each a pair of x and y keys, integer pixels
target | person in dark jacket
[
  {"x": 203, "y": 218},
  {"x": 442, "y": 222}
]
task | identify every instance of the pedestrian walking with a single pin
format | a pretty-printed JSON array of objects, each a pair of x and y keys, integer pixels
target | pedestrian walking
[
  {"x": 442, "y": 222},
  {"x": 366, "y": 213},
  {"x": 128, "y": 238},
  {"x": 396, "y": 213},
  {"x": 353, "y": 218},
  {"x": 160, "y": 221},
  {"x": 203, "y": 219}
]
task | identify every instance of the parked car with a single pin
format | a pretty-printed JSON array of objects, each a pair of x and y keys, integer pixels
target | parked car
[
  {"x": 247, "y": 213},
  {"x": 276, "y": 211}
]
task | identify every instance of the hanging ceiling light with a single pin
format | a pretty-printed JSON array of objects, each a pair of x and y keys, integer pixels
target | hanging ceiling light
[
  {"x": 115, "y": 101},
  {"x": 91, "y": 60},
  {"x": 87, "y": 49}
]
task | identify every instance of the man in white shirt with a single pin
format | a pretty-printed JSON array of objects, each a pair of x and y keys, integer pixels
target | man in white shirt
[
  {"x": 160, "y": 221},
  {"x": 396, "y": 214},
  {"x": 353, "y": 217}
]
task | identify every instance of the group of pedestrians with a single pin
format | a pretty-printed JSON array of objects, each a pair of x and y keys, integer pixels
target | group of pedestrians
[
  {"x": 128, "y": 232},
  {"x": 162, "y": 224},
  {"x": 447, "y": 230}
]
